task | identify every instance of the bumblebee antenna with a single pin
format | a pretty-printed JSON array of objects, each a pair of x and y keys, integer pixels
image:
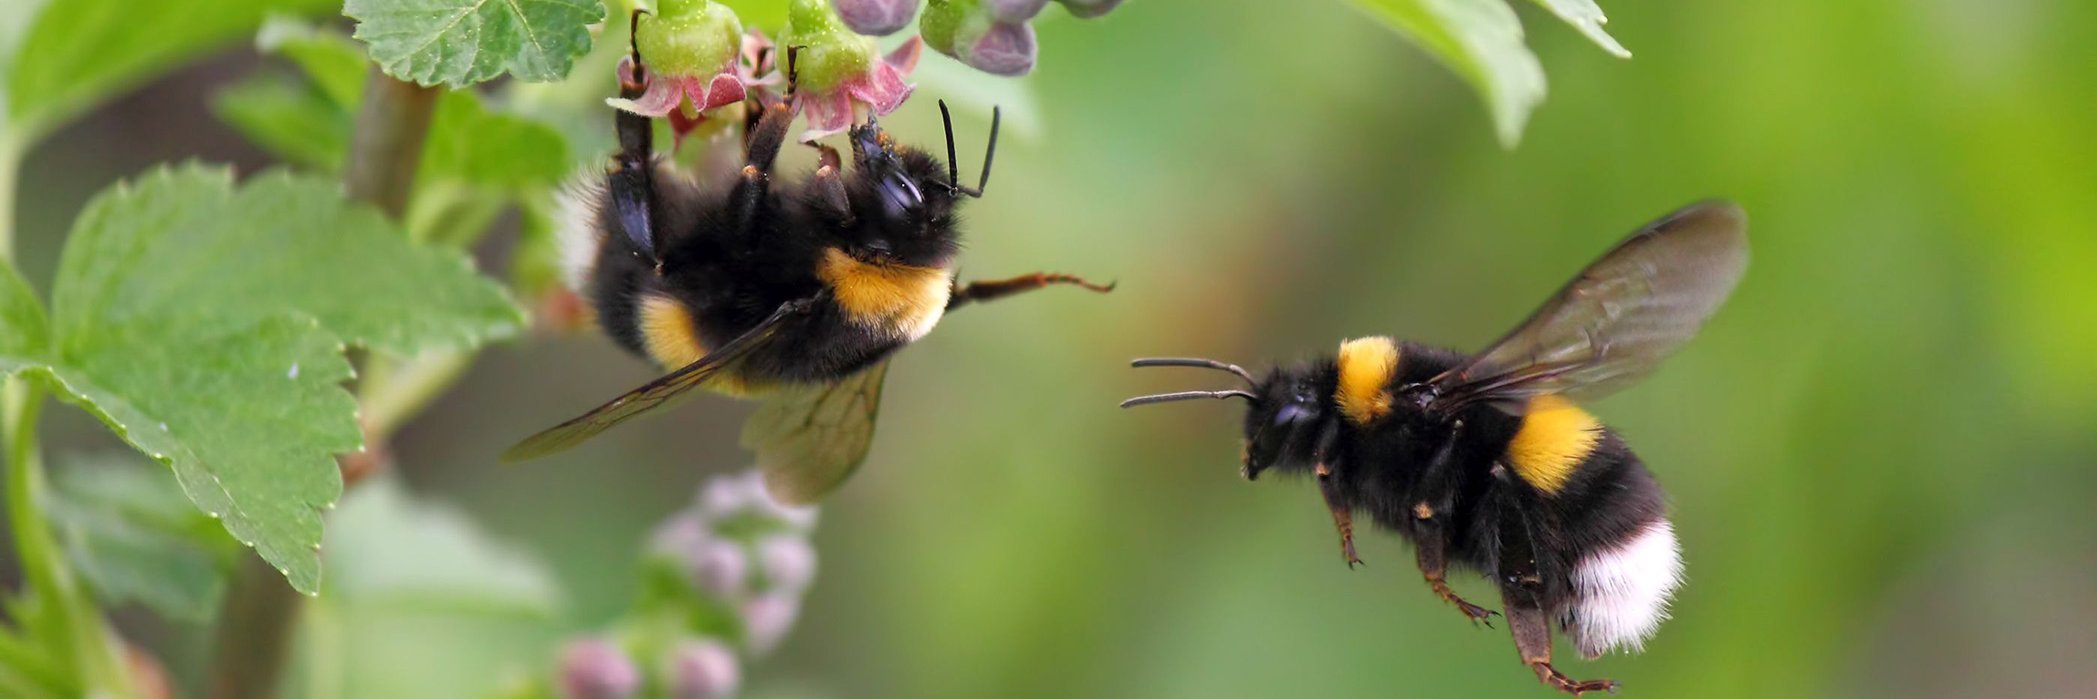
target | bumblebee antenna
[
  {"x": 1188, "y": 395},
  {"x": 1196, "y": 362},
  {"x": 989, "y": 153}
]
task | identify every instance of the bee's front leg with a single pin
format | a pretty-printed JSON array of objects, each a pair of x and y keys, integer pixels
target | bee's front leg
[
  {"x": 829, "y": 185},
  {"x": 1342, "y": 516}
]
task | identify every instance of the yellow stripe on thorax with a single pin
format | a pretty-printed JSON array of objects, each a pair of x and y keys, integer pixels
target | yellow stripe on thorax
[
  {"x": 1366, "y": 367},
  {"x": 1556, "y": 436},
  {"x": 901, "y": 300}
]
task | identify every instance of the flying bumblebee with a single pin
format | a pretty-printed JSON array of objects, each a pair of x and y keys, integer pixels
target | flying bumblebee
[
  {"x": 1487, "y": 462},
  {"x": 796, "y": 291}
]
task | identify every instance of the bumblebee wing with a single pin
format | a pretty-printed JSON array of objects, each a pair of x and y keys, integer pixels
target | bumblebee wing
[
  {"x": 1615, "y": 321},
  {"x": 658, "y": 393},
  {"x": 808, "y": 439}
]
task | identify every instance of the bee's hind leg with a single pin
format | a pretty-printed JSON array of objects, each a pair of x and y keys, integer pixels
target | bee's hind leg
[
  {"x": 991, "y": 290},
  {"x": 1522, "y": 590}
]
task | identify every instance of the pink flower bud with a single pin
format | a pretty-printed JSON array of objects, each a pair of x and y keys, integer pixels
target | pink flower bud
[
  {"x": 1004, "y": 48},
  {"x": 875, "y": 17},
  {"x": 789, "y": 563},
  {"x": 766, "y": 620},
  {"x": 721, "y": 569},
  {"x": 595, "y": 668},
  {"x": 703, "y": 669}
]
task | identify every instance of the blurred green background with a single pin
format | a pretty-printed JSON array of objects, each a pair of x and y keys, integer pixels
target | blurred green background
[{"x": 1880, "y": 453}]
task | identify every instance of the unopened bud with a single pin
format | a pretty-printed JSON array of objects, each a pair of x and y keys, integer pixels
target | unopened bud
[
  {"x": 721, "y": 569},
  {"x": 875, "y": 17},
  {"x": 766, "y": 620},
  {"x": 972, "y": 34},
  {"x": 595, "y": 668},
  {"x": 789, "y": 563},
  {"x": 703, "y": 670}
]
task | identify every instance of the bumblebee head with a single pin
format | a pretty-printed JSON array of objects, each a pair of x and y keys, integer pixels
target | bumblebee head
[
  {"x": 903, "y": 200},
  {"x": 1290, "y": 422}
]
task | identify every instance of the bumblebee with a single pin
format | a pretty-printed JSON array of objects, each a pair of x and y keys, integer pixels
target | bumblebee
[
  {"x": 1487, "y": 462},
  {"x": 798, "y": 292}
]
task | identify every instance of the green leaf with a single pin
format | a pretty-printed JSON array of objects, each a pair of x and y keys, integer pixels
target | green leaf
[
  {"x": 482, "y": 612},
  {"x": 205, "y": 324},
  {"x": 23, "y": 330},
  {"x": 390, "y": 548},
  {"x": 134, "y": 537},
  {"x": 77, "y": 53},
  {"x": 470, "y": 143},
  {"x": 1586, "y": 16},
  {"x": 1482, "y": 41},
  {"x": 462, "y": 42},
  {"x": 467, "y": 141},
  {"x": 291, "y": 120}
]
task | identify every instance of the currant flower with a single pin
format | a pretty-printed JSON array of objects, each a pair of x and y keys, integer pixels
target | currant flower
[
  {"x": 693, "y": 51},
  {"x": 992, "y": 36},
  {"x": 841, "y": 72}
]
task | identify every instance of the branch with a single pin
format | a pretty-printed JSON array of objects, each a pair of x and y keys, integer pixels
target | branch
[{"x": 255, "y": 626}]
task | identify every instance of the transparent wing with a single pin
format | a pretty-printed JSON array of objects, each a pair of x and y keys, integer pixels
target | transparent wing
[
  {"x": 658, "y": 393},
  {"x": 1616, "y": 320},
  {"x": 808, "y": 439}
]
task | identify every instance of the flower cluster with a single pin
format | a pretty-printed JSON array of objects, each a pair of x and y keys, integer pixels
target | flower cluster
[
  {"x": 699, "y": 58},
  {"x": 723, "y": 582}
]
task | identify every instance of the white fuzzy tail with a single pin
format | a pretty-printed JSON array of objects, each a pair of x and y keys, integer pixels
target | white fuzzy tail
[{"x": 1621, "y": 594}]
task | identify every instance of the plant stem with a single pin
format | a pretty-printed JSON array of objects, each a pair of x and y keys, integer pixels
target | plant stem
[
  {"x": 387, "y": 145},
  {"x": 255, "y": 626}
]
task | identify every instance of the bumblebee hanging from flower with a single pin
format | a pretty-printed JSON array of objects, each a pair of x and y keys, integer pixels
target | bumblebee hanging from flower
[
  {"x": 1485, "y": 461},
  {"x": 795, "y": 291}
]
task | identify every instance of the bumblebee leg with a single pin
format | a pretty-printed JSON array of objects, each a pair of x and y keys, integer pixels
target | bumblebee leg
[
  {"x": 999, "y": 288},
  {"x": 629, "y": 176},
  {"x": 1521, "y": 589},
  {"x": 829, "y": 184},
  {"x": 1342, "y": 516},
  {"x": 1431, "y": 533},
  {"x": 1431, "y": 541},
  {"x": 760, "y": 149}
]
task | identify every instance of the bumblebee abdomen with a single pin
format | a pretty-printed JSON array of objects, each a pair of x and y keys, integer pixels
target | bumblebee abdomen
[{"x": 1616, "y": 549}]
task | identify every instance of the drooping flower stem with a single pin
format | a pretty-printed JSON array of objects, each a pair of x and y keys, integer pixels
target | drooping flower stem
[{"x": 253, "y": 642}]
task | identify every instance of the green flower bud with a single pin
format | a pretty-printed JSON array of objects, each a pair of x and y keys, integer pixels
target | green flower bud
[
  {"x": 689, "y": 37},
  {"x": 831, "y": 52}
]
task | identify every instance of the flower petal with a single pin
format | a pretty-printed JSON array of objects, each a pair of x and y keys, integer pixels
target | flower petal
[
  {"x": 827, "y": 113},
  {"x": 725, "y": 89},
  {"x": 660, "y": 98}
]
